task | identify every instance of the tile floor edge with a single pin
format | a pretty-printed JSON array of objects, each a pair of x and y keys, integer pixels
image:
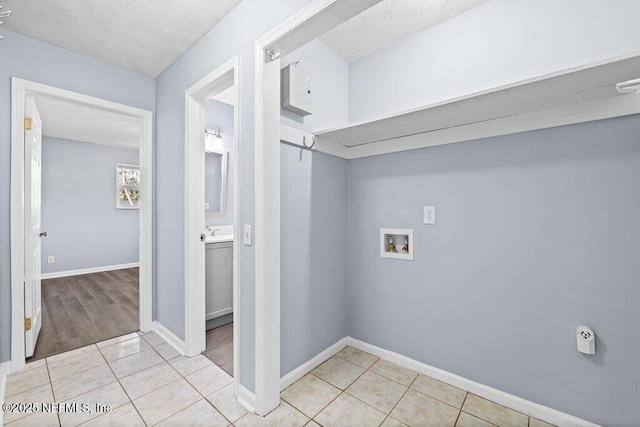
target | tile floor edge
[{"x": 516, "y": 403}]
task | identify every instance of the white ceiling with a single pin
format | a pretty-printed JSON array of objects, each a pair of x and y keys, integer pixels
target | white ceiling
[
  {"x": 390, "y": 21},
  {"x": 80, "y": 122},
  {"x": 144, "y": 36}
]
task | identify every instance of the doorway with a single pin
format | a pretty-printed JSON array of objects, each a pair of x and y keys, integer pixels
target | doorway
[
  {"x": 26, "y": 227},
  {"x": 212, "y": 216}
]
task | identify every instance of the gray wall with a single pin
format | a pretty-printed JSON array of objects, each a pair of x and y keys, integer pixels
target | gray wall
[
  {"x": 536, "y": 233},
  {"x": 234, "y": 35},
  {"x": 314, "y": 218},
  {"x": 220, "y": 115},
  {"x": 24, "y": 57},
  {"x": 314, "y": 254},
  {"x": 79, "y": 210},
  {"x": 499, "y": 42}
]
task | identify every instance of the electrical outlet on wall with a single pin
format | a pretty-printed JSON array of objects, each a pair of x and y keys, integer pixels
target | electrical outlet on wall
[
  {"x": 51, "y": 260},
  {"x": 429, "y": 215}
]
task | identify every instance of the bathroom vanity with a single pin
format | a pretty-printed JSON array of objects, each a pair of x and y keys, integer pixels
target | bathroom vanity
[{"x": 219, "y": 280}]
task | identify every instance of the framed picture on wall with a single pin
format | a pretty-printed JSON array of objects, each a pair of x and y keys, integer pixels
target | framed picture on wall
[{"x": 127, "y": 186}]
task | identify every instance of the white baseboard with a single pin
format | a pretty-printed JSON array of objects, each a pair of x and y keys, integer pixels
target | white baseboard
[
  {"x": 91, "y": 270},
  {"x": 517, "y": 403},
  {"x": 311, "y": 364},
  {"x": 168, "y": 336},
  {"x": 5, "y": 369},
  {"x": 246, "y": 399}
]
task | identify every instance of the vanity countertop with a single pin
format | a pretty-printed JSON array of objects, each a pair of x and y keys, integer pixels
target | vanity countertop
[{"x": 223, "y": 238}]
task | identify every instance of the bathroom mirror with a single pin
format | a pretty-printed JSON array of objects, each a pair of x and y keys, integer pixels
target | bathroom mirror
[{"x": 215, "y": 186}]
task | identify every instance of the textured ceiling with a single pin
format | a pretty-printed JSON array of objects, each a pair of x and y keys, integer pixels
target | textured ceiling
[
  {"x": 79, "y": 122},
  {"x": 144, "y": 36},
  {"x": 390, "y": 21}
]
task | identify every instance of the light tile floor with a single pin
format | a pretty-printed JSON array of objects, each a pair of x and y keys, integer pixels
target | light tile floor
[{"x": 148, "y": 383}]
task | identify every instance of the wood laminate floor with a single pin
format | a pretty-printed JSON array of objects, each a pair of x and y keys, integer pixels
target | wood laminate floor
[
  {"x": 81, "y": 310},
  {"x": 220, "y": 347}
]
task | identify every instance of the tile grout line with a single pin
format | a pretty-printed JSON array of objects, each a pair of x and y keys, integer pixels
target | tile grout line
[
  {"x": 323, "y": 408},
  {"x": 46, "y": 364},
  {"x": 134, "y": 373},
  {"x": 350, "y": 384},
  {"x": 29, "y": 389},
  {"x": 461, "y": 406},
  {"x": 191, "y": 385},
  {"x": 370, "y": 368},
  {"x": 467, "y": 393},
  {"x": 403, "y": 394},
  {"x": 480, "y": 417},
  {"x": 205, "y": 397},
  {"x": 123, "y": 389}
]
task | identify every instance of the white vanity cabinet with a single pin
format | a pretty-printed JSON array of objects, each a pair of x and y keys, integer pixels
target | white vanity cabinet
[{"x": 219, "y": 279}]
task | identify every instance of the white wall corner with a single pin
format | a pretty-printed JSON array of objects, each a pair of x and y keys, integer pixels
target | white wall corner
[
  {"x": 168, "y": 336},
  {"x": 312, "y": 363},
  {"x": 519, "y": 404}
]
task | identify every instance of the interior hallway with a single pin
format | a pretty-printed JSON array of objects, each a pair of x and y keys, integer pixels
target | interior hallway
[
  {"x": 147, "y": 382},
  {"x": 82, "y": 310}
]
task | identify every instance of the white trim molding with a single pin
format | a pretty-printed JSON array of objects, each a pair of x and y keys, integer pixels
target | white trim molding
[
  {"x": 246, "y": 399},
  {"x": 91, "y": 270},
  {"x": 519, "y": 404},
  {"x": 313, "y": 363},
  {"x": 169, "y": 337},
  {"x": 225, "y": 77},
  {"x": 308, "y": 24},
  {"x": 20, "y": 89}
]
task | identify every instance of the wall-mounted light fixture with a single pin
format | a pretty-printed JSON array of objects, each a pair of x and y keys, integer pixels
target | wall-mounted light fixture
[{"x": 213, "y": 141}]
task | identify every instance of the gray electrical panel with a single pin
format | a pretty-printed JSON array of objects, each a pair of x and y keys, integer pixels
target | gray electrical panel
[{"x": 297, "y": 90}]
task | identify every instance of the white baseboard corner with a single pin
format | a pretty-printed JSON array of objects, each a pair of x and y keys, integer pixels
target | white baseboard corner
[
  {"x": 91, "y": 270},
  {"x": 5, "y": 369},
  {"x": 532, "y": 409},
  {"x": 311, "y": 364},
  {"x": 246, "y": 399},
  {"x": 164, "y": 333}
]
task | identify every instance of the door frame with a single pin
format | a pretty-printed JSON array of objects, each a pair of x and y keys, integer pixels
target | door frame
[
  {"x": 308, "y": 24},
  {"x": 223, "y": 77},
  {"x": 19, "y": 90}
]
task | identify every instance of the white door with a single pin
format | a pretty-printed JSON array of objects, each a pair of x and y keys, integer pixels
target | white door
[{"x": 33, "y": 226}]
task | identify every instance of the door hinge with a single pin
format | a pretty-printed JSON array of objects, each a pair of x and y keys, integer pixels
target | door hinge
[
  {"x": 27, "y": 324},
  {"x": 27, "y": 123}
]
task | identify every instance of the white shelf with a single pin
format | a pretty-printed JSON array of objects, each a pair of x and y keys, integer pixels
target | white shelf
[{"x": 576, "y": 95}]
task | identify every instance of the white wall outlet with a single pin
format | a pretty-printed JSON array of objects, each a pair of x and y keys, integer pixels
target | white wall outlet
[
  {"x": 51, "y": 260},
  {"x": 247, "y": 235},
  {"x": 429, "y": 215}
]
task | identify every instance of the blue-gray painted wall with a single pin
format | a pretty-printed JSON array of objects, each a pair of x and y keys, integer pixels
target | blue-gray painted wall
[
  {"x": 84, "y": 228},
  {"x": 30, "y": 59},
  {"x": 313, "y": 254},
  {"x": 234, "y": 35},
  {"x": 536, "y": 234},
  {"x": 314, "y": 218},
  {"x": 220, "y": 115}
]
